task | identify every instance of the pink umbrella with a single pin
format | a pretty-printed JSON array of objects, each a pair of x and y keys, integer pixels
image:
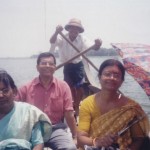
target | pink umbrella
[{"x": 136, "y": 59}]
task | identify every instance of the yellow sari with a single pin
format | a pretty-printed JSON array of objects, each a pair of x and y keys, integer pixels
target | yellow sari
[{"x": 97, "y": 125}]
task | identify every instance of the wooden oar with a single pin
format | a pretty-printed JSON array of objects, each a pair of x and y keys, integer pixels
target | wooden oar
[
  {"x": 79, "y": 51},
  {"x": 131, "y": 123},
  {"x": 79, "y": 54}
]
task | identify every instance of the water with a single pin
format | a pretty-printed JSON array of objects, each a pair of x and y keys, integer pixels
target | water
[{"x": 24, "y": 69}]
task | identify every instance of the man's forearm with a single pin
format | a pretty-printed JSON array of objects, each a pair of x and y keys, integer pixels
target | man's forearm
[
  {"x": 53, "y": 38},
  {"x": 71, "y": 123}
]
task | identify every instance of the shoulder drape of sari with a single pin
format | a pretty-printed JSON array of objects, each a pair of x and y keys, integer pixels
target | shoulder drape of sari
[{"x": 117, "y": 119}]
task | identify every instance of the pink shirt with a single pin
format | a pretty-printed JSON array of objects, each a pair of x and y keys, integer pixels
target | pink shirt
[{"x": 54, "y": 100}]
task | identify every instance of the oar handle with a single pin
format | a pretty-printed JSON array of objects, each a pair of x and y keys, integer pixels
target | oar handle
[
  {"x": 134, "y": 121},
  {"x": 79, "y": 54},
  {"x": 79, "y": 50}
]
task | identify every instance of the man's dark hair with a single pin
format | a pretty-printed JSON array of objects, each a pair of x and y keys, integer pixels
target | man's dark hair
[{"x": 44, "y": 55}]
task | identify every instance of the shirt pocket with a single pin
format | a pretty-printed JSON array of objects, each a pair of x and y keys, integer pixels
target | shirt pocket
[{"x": 56, "y": 104}]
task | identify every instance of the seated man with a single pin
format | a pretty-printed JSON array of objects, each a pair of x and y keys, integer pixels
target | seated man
[{"x": 53, "y": 97}]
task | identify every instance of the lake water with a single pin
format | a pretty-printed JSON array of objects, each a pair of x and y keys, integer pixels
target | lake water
[{"x": 24, "y": 70}]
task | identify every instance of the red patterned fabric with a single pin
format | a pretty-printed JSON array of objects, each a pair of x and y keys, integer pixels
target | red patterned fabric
[{"x": 136, "y": 59}]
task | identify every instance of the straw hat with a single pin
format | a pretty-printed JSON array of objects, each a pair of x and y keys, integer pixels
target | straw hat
[{"x": 76, "y": 23}]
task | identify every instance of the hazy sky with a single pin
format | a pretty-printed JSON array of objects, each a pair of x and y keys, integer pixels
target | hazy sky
[{"x": 26, "y": 25}]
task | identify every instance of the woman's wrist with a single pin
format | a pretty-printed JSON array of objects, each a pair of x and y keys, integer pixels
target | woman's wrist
[{"x": 94, "y": 142}]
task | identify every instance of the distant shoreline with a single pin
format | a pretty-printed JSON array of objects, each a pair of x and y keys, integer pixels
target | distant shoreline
[{"x": 101, "y": 52}]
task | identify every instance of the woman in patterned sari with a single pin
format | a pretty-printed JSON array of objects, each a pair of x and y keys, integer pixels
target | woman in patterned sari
[
  {"x": 22, "y": 126},
  {"x": 103, "y": 115}
]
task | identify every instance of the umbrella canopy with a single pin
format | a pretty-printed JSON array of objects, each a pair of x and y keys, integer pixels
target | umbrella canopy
[{"x": 136, "y": 59}]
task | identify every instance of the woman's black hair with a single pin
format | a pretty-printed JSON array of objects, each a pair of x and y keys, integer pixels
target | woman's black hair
[
  {"x": 45, "y": 54},
  {"x": 112, "y": 62},
  {"x": 7, "y": 80}
]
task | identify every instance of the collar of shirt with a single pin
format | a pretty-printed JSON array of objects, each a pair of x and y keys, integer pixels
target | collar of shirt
[{"x": 37, "y": 82}]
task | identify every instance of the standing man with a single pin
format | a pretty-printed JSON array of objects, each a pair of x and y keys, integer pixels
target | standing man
[
  {"x": 74, "y": 73},
  {"x": 53, "y": 97}
]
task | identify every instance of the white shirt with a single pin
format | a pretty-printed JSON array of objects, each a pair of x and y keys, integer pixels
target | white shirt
[{"x": 66, "y": 51}]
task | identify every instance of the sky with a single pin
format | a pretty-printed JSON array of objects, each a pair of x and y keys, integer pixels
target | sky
[{"x": 26, "y": 25}]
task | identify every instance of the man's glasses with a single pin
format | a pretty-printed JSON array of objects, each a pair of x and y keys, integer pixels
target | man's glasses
[
  {"x": 115, "y": 76},
  {"x": 44, "y": 63},
  {"x": 4, "y": 91}
]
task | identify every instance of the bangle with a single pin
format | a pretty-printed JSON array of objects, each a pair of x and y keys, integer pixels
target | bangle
[{"x": 94, "y": 141}]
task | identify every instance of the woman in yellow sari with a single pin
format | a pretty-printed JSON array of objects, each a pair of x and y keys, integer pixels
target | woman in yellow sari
[{"x": 103, "y": 115}]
